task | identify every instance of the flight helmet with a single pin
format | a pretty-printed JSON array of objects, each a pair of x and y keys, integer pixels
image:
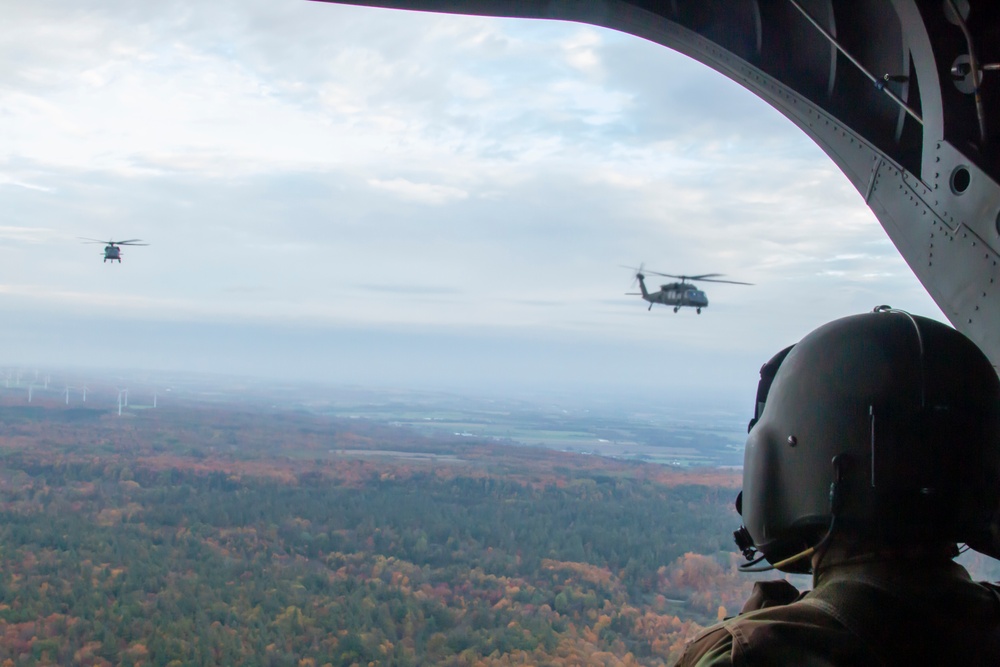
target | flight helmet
[{"x": 885, "y": 424}]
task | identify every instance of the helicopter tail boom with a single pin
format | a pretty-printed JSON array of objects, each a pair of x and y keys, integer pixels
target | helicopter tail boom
[{"x": 642, "y": 285}]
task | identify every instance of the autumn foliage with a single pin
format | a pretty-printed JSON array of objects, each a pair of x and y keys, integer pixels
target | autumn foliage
[{"x": 220, "y": 537}]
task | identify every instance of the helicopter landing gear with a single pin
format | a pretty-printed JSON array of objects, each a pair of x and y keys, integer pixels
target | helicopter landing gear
[
  {"x": 676, "y": 308},
  {"x": 699, "y": 311}
]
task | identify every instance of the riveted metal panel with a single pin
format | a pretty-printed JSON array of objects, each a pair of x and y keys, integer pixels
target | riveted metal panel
[
  {"x": 957, "y": 266},
  {"x": 965, "y": 271}
]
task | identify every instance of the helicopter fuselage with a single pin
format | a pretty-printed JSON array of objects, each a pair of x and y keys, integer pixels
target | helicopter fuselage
[
  {"x": 112, "y": 248},
  {"x": 677, "y": 295},
  {"x": 112, "y": 253}
]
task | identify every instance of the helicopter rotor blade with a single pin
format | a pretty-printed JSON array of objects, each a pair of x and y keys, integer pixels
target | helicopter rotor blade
[
  {"x": 125, "y": 242},
  {"x": 667, "y": 275},
  {"x": 730, "y": 282},
  {"x": 704, "y": 277},
  {"x": 638, "y": 269}
]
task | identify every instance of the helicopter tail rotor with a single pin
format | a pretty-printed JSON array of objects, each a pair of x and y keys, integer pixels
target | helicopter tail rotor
[
  {"x": 638, "y": 273},
  {"x": 639, "y": 279}
]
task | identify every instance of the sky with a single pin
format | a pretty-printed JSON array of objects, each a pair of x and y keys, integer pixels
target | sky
[{"x": 384, "y": 198}]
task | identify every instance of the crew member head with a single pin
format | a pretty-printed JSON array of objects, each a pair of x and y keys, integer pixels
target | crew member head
[{"x": 882, "y": 426}]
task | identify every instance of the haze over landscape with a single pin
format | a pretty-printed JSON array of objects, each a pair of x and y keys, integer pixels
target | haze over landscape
[{"x": 387, "y": 198}]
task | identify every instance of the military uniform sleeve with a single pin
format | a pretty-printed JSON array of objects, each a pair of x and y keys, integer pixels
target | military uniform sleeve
[
  {"x": 775, "y": 593},
  {"x": 712, "y": 648}
]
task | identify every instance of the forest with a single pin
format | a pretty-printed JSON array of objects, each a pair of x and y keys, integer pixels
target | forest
[{"x": 228, "y": 537}]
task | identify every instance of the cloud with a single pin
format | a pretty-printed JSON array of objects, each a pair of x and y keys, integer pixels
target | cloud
[
  {"x": 425, "y": 193},
  {"x": 410, "y": 289},
  {"x": 20, "y": 184},
  {"x": 581, "y": 50},
  {"x": 33, "y": 235},
  {"x": 316, "y": 165}
]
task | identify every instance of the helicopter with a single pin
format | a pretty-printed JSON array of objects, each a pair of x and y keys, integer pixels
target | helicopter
[
  {"x": 111, "y": 251},
  {"x": 679, "y": 294}
]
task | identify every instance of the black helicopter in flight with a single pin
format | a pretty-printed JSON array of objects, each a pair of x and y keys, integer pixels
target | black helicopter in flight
[
  {"x": 678, "y": 294},
  {"x": 112, "y": 251}
]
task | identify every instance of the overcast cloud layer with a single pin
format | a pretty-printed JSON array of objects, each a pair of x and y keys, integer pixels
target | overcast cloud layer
[{"x": 380, "y": 197}]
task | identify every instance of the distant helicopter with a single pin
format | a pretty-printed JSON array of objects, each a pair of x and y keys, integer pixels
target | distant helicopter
[
  {"x": 679, "y": 294},
  {"x": 111, "y": 251}
]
